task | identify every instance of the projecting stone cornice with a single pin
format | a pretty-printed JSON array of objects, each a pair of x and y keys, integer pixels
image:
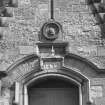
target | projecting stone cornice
[{"x": 95, "y": 64}]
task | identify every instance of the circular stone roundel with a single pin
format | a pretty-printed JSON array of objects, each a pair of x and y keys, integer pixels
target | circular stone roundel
[{"x": 51, "y": 30}]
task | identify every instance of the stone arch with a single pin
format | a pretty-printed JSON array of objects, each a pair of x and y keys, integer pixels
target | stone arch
[
  {"x": 74, "y": 67},
  {"x": 24, "y": 59},
  {"x": 86, "y": 61},
  {"x": 31, "y": 64},
  {"x": 22, "y": 67},
  {"x": 57, "y": 76},
  {"x": 66, "y": 74},
  {"x": 82, "y": 65}
]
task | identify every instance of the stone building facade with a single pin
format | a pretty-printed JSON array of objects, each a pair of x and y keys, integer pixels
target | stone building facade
[{"x": 73, "y": 53}]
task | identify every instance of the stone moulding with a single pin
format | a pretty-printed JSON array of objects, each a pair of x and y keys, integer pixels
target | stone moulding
[
  {"x": 86, "y": 61},
  {"x": 32, "y": 57}
]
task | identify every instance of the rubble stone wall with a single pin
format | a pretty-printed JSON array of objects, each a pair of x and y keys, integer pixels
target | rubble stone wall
[{"x": 19, "y": 34}]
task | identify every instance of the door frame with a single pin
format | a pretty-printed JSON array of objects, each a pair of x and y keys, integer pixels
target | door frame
[{"x": 62, "y": 76}]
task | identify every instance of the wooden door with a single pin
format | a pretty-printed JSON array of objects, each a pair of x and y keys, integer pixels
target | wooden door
[{"x": 54, "y": 94}]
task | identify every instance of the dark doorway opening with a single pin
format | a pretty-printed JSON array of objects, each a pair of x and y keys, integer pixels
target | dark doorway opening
[{"x": 53, "y": 91}]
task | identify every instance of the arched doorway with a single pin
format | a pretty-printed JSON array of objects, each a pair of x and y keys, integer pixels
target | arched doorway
[
  {"x": 27, "y": 74},
  {"x": 53, "y": 91}
]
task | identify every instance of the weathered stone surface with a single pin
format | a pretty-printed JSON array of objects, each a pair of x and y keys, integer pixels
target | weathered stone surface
[
  {"x": 97, "y": 87},
  {"x": 27, "y": 49},
  {"x": 24, "y": 2},
  {"x": 80, "y": 8},
  {"x": 21, "y": 70},
  {"x": 100, "y": 100},
  {"x": 43, "y": 10},
  {"x": 24, "y": 32},
  {"x": 79, "y": 27},
  {"x": 97, "y": 81},
  {"x": 1, "y": 55},
  {"x": 96, "y": 92},
  {"x": 80, "y": 30},
  {"x": 100, "y": 51},
  {"x": 4, "y": 101},
  {"x": 24, "y": 13},
  {"x": 63, "y": 3},
  {"x": 87, "y": 19},
  {"x": 4, "y": 65},
  {"x": 73, "y": 18},
  {"x": 87, "y": 50}
]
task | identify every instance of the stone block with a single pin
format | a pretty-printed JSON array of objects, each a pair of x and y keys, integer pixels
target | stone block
[
  {"x": 80, "y": 8},
  {"x": 61, "y": 4},
  {"x": 42, "y": 10},
  {"x": 100, "y": 51},
  {"x": 87, "y": 50},
  {"x": 100, "y": 101},
  {"x": 97, "y": 81},
  {"x": 24, "y": 2},
  {"x": 12, "y": 52},
  {"x": 57, "y": 14},
  {"x": 24, "y": 13},
  {"x": 96, "y": 92},
  {"x": 83, "y": 1},
  {"x": 26, "y": 50},
  {"x": 75, "y": 1},
  {"x": 4, "y": 101}
]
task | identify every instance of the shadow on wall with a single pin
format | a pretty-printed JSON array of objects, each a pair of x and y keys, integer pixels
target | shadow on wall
[
  {"x": 8, "y": 3},
  {"x": 98, "y": 10},
  {"x": 5, "y": 10}
]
